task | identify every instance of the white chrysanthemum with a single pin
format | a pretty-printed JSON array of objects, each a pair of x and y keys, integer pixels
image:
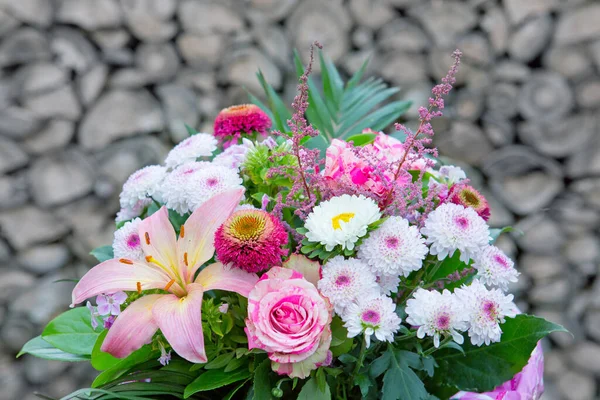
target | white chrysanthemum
[
  {"x": 234, "y": 155},
  {"x": 188, "y": 186},
  {"x": 127, "y": 242},
  {"x": 437, "y": 314},
  {"x": 211, "y": 181},
  {"x": 343, "y": 281},
  {"x": 486, "y": 310},
  {"x": 452, "y": 227},
  {"x": 341, "y": 220},
  {"x": 494, "y": 268},
  {"x": 388, "y": 283},
  {"x": 127, "y": 213},
  {"x": 372, "y": 316},
  {"x": 394, "y": 248},
  {"x": 141, "y": 184},
  {"x": 188, "y": 150}
]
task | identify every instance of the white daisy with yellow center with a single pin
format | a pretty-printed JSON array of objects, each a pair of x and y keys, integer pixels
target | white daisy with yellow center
[{"x": 341, "y": 220}]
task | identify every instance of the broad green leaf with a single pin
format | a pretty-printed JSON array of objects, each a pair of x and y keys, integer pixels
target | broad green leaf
[
  {"x": 362, "y": 139},
  {"x": 101, "y": 360},
  {"x": 310, "y": 391},
  {"x": 123, "y": 366},
  {"x": 103, "y": 253},
  {"x": 483, "y": 368},
  {"x": 220, "y": 361},
  {"x": 38, "y": 347},
  {"x": 400, "y": 381},
  {"x": 214, "y": 379},
  {"x": 72, "y": 332},
  {"x": 262, "y": 381}
]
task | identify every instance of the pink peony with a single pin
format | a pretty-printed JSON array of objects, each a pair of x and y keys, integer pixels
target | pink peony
[
  {"x": 527, "y": 384},
  {"x": 252, "y": 240},
  {"x": 289, "y": 319},
  {"x": 468, "y": 196},
  {"x": 244, "y": 119}
]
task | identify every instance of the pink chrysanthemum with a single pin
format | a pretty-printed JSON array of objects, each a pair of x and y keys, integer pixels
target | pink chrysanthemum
[
  {"x": 234, "y": 121},
  {"x": 251, "y": 240},
  {"x": 468, "y": 196}
]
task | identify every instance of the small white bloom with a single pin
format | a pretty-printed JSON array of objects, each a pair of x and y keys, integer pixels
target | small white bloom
[
  {"x": 141, "y": 184},
  {"x": 395, "y": 248},
  {"x": 344, "y": 281},
  {"x": 452, "y": 174},
  {"x": 452, "y": 227},
  {"x": 127, "y": 242},
  {"x": 341, "y": 220},
  {"x": 436, "y": 314},
  {"x": 494, "y": 268},
  {"x": 388, "y": 283},
  {"x": 234, "y": 155},
  {"x": 188, "y": 186},
  {"x": 198, "y": 145},
  {"x": 372, "y": 316},
  {"x": 127, "y": 213},
  {"x": 486, "y": 310}
]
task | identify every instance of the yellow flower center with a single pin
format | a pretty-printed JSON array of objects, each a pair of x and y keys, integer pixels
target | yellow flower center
[
  {"x": 248, "y": 226},
  {"x": 346, "y": 217}
]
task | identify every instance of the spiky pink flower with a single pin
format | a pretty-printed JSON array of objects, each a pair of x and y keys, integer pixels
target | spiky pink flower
[
  {"x": 468, "y": 196},
  {"x": 244, "y": 119},
  {"x": 251, "y": 240}
]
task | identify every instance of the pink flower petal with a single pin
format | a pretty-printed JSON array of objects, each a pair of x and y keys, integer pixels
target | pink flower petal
[
  {"x": 132, "y": 329},
  {"x": 115, "y": 275},
  {"x": 221, "y": 277},
  {"x": 311, "y": 270},
  {"x": 196, "y": 240},
  {"x": 180, "y": 320},
  {"x": 159, "y": 241}
]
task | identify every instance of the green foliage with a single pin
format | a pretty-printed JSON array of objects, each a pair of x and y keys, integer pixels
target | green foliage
[
  {"x": 103, "y": 253},
  {"x": 101, "y": 360},
  {"x": 483, "y": 368},
  {"x": 399, "y": 380},
  {"x": 337, "y": 109},
  {"x": 312, "y": 391},
  {"x": 38, "y": 347},
  {"x": 259, "y": 161},
  {"x": 262, "y": 384},
  {"x": 215, "y": 379},
  {"x": 72, "y": 332}
]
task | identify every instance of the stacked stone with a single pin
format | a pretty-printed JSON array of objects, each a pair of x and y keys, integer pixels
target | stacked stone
[{"x": 91, "y": 90}]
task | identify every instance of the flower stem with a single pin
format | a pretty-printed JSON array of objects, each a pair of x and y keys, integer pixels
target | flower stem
[
  {"x": 433, "y": 349},
  {"x": 361, "y": 358}
]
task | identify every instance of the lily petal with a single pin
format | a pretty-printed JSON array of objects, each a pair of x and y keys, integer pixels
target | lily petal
[
  {"x": 159, "y": 241},
  {"x": 132, "y": 329},
  {"x": 118, "y": 275},
  {"x": 311, "y": 270},
  {"x": 196, "y": 243},
  {"x": 180, "y": 320},
  {"x": 222, "y": 277}
]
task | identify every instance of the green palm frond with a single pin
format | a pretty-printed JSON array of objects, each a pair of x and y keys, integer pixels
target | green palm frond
[{"x": 337, "y": 109}]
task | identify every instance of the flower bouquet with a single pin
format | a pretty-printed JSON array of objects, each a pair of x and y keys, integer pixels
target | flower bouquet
[{"x": 303, "y": 254}]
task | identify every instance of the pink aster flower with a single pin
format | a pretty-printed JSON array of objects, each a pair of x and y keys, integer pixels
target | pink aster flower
[
  {"x": 251, "y": 240},
  {"x": 170, "y": 264},
  {"x": 244, "y": 119},
  {"x": 289, "y": 319},
  {"x": 110, "y": 304},
  {"x": 468, "y": 196}
]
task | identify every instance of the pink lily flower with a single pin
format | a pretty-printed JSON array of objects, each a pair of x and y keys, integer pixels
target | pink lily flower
[{"x": 170, "y": 264}]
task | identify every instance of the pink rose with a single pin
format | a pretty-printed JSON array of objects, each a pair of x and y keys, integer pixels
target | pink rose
[{"x": 289, "y": 319}]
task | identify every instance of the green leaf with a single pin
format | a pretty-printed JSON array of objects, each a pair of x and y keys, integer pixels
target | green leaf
[
  {"x": 280, "y": 112},
  {"x": 103, "y": 253},
  {"x": 72, "y": 332},
  {"x": 401, "y": 382},
  {"x": 191, "y": 131},
  {"x": 483, "y": 368},
  {"x": 449, "y": 266},
  {"x": 496, "y": 232},
  {"x": 311, "y": 391},
  {"x": 220, "y": 361},
  {"x": 38, "y": 347},
  {"x": 101, "y": 360},
  {"x": 262, "y": 381},
  {"x": 235, "y": 390},
  {"x": 214, "y": 379},
  {"x": 137, "y": 357},
  {"x": 362, "y": 139},
  {"x": 357, "y": 75}
]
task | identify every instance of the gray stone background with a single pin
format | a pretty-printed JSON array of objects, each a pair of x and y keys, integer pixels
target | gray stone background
[{"x": 91, "y": 90}]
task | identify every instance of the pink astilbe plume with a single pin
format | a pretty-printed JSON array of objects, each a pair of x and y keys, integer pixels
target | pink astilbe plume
[{"x": 304, "y": 176}]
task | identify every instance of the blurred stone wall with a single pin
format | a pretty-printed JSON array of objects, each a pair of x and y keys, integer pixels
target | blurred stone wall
[{"x": 91, "y": 90}]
